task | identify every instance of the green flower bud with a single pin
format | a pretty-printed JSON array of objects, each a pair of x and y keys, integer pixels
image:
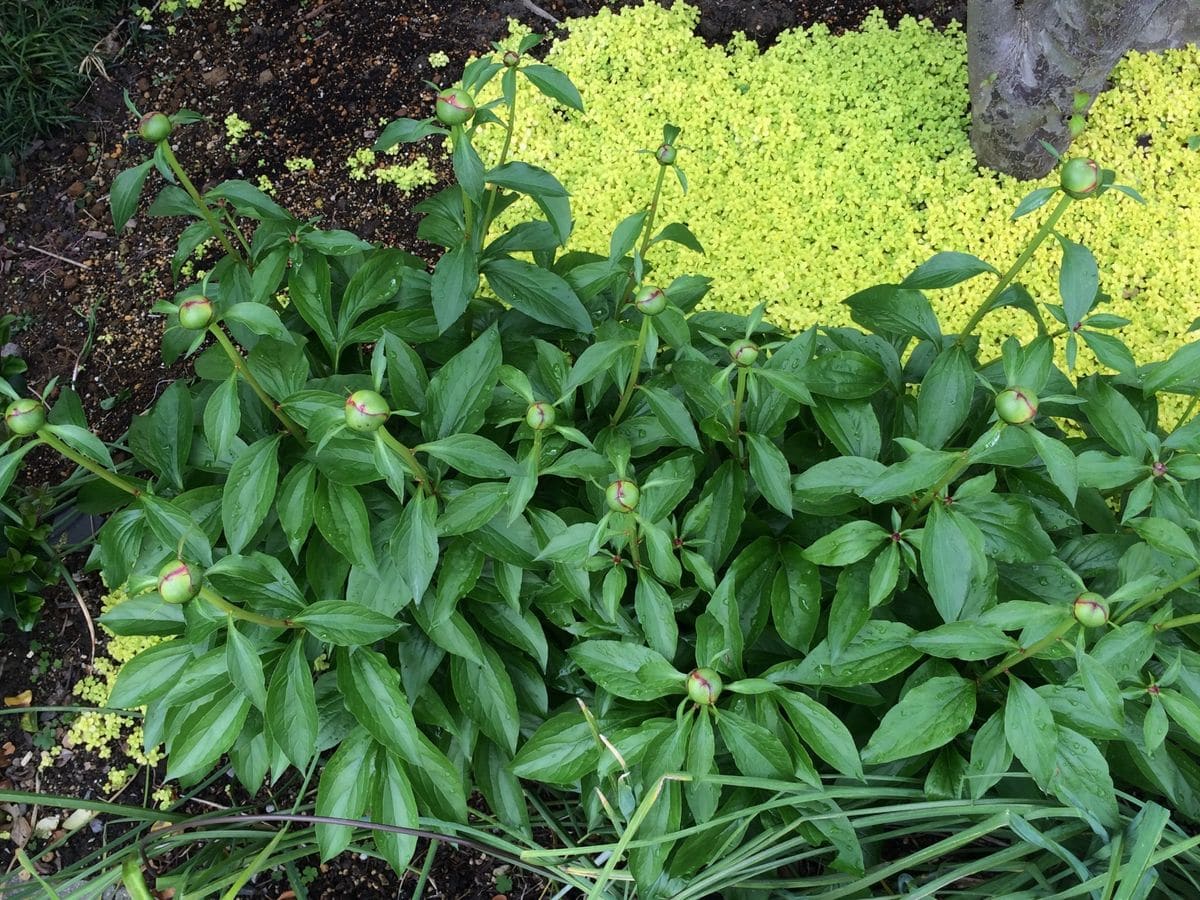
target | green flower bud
[
  {"x": 1090, "y": 610},
  {"x": 622, "y": 496},
  {"x": 1080, "y": 178},
  {"x": 154, "y": 127},
  {"x": 666, "y": 154},
  {"x": 178, "y": 582},
  {"x": 24, "y": 416},
  {"x": 540, "y": 415},
  {"x": 744, "y": 352},
  {"x": 1017, "y": 406},
  {"x": 511, "y": 58},
  {"x": 366, "y": 411},
  {"x": 454, "y": 107},
  {"x": 704, "y": 686},
  {"x": 196, "y": 313},
  {"x": 650, "y": 300}
]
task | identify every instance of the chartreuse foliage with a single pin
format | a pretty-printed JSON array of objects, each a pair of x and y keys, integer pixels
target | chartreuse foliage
[
  {"x": 741, "y": 597},
  {"x": 827, "y": 159}
]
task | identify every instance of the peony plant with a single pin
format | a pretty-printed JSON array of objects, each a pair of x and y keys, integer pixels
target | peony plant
[{"x": 526, "y": 520}]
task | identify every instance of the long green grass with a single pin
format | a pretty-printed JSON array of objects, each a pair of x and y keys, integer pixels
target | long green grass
[{"x": 42, "y": 46}]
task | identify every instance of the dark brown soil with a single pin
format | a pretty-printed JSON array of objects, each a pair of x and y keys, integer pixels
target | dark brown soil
[{"x": 314, "y": 77}]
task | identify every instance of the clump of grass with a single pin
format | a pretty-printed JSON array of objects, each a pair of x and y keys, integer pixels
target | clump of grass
[{"x": 42, "y": 44}]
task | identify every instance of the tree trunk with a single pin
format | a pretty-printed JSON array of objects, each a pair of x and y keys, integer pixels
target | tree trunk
[{"x": 1027, "y": 60}]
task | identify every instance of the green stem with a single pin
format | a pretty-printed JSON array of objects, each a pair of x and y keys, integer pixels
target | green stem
[
  {"x": 537, "y": 451},
  {"x": 239, "y": 363},
  {"x": 246, "y": 615},
  {"x": 1007, "y": 277},
  {"x": 1187, "y": 413},
  {"x": 426, "y": 868},
  {"x": 1157, "y": 595},
  {"x": 1179, "y": 622},
  {"x": 649, "y": 228},
  {"x": 237, "y": 232},
  {"x": 90, "y": 464},
  {"x": 493, "y": 190},
  {"x": 964, "y": 460},
  {"x": 456, "y": 136},
  {"x": 739, "y": 395},
  {"x": 201, "y": 207},
  {"x": 635, "y": 552},
  {"x": 638, "y": 350},
  {"x": 410, "y": 459},
  {"x": 1032, "y": 650}
]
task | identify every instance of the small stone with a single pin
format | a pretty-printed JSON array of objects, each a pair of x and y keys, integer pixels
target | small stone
[
  {"x": 79, "y": 154},
  {"x": 215, "y": 77},
  {"x": 76, "y": 189},
  {"x": 70, "y": 282},
  {"x": 266, "y": 76}
]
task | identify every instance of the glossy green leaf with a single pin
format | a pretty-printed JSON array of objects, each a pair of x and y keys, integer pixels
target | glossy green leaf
[
  {"x": 927, "y": 717},
  {"x": 249, "y": 491}
]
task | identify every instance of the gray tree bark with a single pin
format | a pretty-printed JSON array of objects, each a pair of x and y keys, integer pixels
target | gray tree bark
[{"x": 1026, "y": 60}]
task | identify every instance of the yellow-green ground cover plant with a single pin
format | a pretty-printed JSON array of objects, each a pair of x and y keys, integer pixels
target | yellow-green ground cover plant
[{"x": 729, "y": 608}]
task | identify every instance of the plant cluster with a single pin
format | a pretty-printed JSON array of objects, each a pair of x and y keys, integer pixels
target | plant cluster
[{"x": 530, "y": 524}]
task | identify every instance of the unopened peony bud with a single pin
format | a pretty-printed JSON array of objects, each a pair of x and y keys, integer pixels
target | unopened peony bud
[
  {"x": 743, "y": 352},
  {"x": 540, "y": 416},
  {"x": 1090, "y": 610},
  {"x": 622, "y": 496},
  {"x": 196, "y": 313},
  {"x": 154, "y": 127},
  {"x": 454, "y": 107},
  {"x": 24, "y": 416},
  {"x": 366, "y": 411},
  {"x": 650, "y": 300},
  {"x": 1017, "y": 406},
  {"x": 704, "y": 686},
  {"x": 1080, "y": 178},
  {"x": 178, "y": 582}
]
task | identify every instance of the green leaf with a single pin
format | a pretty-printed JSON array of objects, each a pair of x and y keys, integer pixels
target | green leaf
[
  {"x": 844, "y": 375},
  {"x": 342, "y": 792},
  {"x": 591, "y": 362},
  {"x": 145, "y": 616},
  {"x": 1110, "y": 351},
  {"x": 1078, "y": 280},
  {"x": 927, "y": 717},
  {"x": 472, "y": 509},
  {"x": 946, "y": 269},
  {"x": 248, "y": 199},
  {"x": 990, "y": 757},
  {"x": 486, "y": 695},
  {"x": 294, "y": 505},
  {"x": 245, "y": 666},
  {"x": 291, "y": 713},
  {"x": 1102, "y": 690},
  {"x": 769, "y": 469},
  {"x": 462, "y": 389},
  {"x": 223, "y": 416},
  {"x": 1035, "y": 199},
  {"x": 393, "y": 803},
  {"x": 953, "y": 563},
  {"x": 1082, "y": 779},
  {"x": 823, "y": 732},
  {"x": 919, "y": 472},
  {"x": 1165, "y": 536},
  {"x": 757, "y": 753},
  {"x": 404, "y": 131},
  {"x": 455, "y": 280},
  {"x": 627, "y": 670},
  {"x": 1059, "y": 462},
  {"x": 173, "y": 527},
  {"x": 964, "y": 640},
  {"x": 468, "y": 167},
  {"x": 894, "y": 311},
  {"x": 554, "y": 84},
  {"x": 125, "y": 191},
  {"x": 885, "y": 572},
  {"x": 538, "y": 293},
  {"x": 679, "y": 233},
  {"x": 249, "y": 491},
  {"x": 310, "y": 291},
  {"x": 561, "y": 751},
  {"x": 207, "y": 732},
  {"x": 672, "y": 415},
  {"x": 796, "y": 598},
  {"x": 150, "y": 674},
  {"x": 341, "y": 517},
  {"x": 472, "y": 455},
  {"x": 87, "y": 443},
  {"x": 1030, "y": 730},
  {"x": 415, "y": 544},
  {"x": 656, "y": 615},
  {"x": 346, "y": 624},
  {"x": 258, "y": 318},
  {"x": 848, "y": 544},
  {"x": 945, "y": 398},
  {"x": 1179, "y": 369},
  {"x": 163, "y": 438},
  {"x": 371, "y": 691}
]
